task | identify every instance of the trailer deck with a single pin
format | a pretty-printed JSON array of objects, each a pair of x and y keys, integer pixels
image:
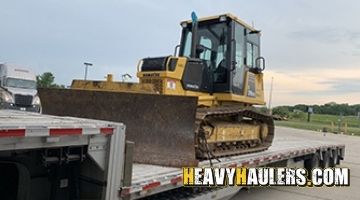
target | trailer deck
[{"x": 150, "y": 179}]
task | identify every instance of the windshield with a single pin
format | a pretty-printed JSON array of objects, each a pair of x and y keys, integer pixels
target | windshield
[
  {"x": 20, "y": 83},
  {"x": 212, "y": 37}
]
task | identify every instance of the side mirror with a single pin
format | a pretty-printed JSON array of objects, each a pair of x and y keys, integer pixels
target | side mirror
[{"x": 260, "y": 63}]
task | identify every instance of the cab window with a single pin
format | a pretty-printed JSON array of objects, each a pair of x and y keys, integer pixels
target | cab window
[
  {"x": 252, "y": 53},
  {"x": 187, "y": 45}
]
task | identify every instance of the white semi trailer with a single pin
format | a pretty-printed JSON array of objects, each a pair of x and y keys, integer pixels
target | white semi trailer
[{"x": 51, "y": 157}]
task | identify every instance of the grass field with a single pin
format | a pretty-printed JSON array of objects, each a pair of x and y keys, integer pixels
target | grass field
[{"x": 320, "y": 122}]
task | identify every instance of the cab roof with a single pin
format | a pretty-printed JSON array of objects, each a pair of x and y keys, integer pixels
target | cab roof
[{"x": 229, "y": 15}]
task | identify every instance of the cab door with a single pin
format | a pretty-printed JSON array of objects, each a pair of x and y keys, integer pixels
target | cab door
[{"x": 238, "y": 72}]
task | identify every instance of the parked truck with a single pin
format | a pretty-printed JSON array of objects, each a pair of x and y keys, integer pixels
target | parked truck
[
  {"x": 52, "y": 157},
  {"x": 18, "y": 89}
]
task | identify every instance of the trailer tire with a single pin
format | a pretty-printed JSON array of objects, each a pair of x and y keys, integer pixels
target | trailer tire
[
  {"x": 334, "y": 159},
  {"x": 312, "y": 162},
  {"x": 325, "y": 163}
]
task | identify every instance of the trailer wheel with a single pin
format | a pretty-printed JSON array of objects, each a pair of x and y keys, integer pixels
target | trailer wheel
[
  {"x": 312, "y": 162},
  {"x": 325, "y": 163},
  {"x": 334, "y": 159}
]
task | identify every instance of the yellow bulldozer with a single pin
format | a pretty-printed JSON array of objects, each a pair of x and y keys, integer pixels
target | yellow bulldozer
[{"x": 194, "y": 105}]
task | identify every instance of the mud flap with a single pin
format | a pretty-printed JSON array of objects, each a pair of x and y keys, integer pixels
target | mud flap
[{"x": 161, "y": 126}]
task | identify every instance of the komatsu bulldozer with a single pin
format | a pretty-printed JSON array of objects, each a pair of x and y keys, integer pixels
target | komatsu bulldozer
[{"x": 194, "y": 105}]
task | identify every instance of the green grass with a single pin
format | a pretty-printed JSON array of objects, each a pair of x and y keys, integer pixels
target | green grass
[
  {"x": 352, "y": 121},
  {"x": 319, "y": 122}
]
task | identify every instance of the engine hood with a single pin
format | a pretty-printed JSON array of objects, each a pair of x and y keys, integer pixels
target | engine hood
[{"x": 22, "y": 91}]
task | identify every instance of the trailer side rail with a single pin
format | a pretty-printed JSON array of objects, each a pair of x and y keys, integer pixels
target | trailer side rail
[{"x": 24, "y": 130}]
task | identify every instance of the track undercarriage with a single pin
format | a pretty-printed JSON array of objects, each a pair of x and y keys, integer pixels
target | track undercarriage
[{"x": 226, "y": 131}]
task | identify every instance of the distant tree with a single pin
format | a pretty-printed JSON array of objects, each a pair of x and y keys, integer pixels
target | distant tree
[
  {"x": 263, "y": 109},
  {"x": 301, "y": 107},
  {"x": 356, "y": 108},
  {"x": 46, "y": 80},
  {"x": 298, "y": 114},
  {"x": 282, "y": 111},
  {"x": 331, "y": 108}
]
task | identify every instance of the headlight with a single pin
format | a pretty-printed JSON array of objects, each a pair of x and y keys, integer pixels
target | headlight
[
  {"x": 6, "y": 97},
  {"x": 222, "y": 18},
  {"x": 36, "y": 100},
  {"x": 184, "y": 24}
]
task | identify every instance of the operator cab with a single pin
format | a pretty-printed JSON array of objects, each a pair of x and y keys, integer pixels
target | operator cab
[{"x": 226, "y": 46}]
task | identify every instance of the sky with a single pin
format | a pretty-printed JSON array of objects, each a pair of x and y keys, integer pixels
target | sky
[{"x": 312, "y": 48}]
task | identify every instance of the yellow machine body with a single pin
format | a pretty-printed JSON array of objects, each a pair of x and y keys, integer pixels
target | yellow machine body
[
  {"x": 169, "y": 83},
  {"x": 218, "y": 65}
]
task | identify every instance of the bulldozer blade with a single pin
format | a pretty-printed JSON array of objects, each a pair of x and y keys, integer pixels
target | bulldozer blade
[{"x": 162, "y": 127}]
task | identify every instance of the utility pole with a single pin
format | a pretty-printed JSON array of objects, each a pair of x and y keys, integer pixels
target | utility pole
[
  {"x": 340, "y": 122},
  {"x": 270, "y": 95},
  {"x": 86, "y": 68}
]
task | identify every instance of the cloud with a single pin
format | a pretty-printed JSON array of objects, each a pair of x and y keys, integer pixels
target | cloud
[
  {"x": 314, "y": 86},
  {"x": 344, "y": 85},
  {"x": 330, "y": 35},
  {"x": 325, "y": 34}
]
